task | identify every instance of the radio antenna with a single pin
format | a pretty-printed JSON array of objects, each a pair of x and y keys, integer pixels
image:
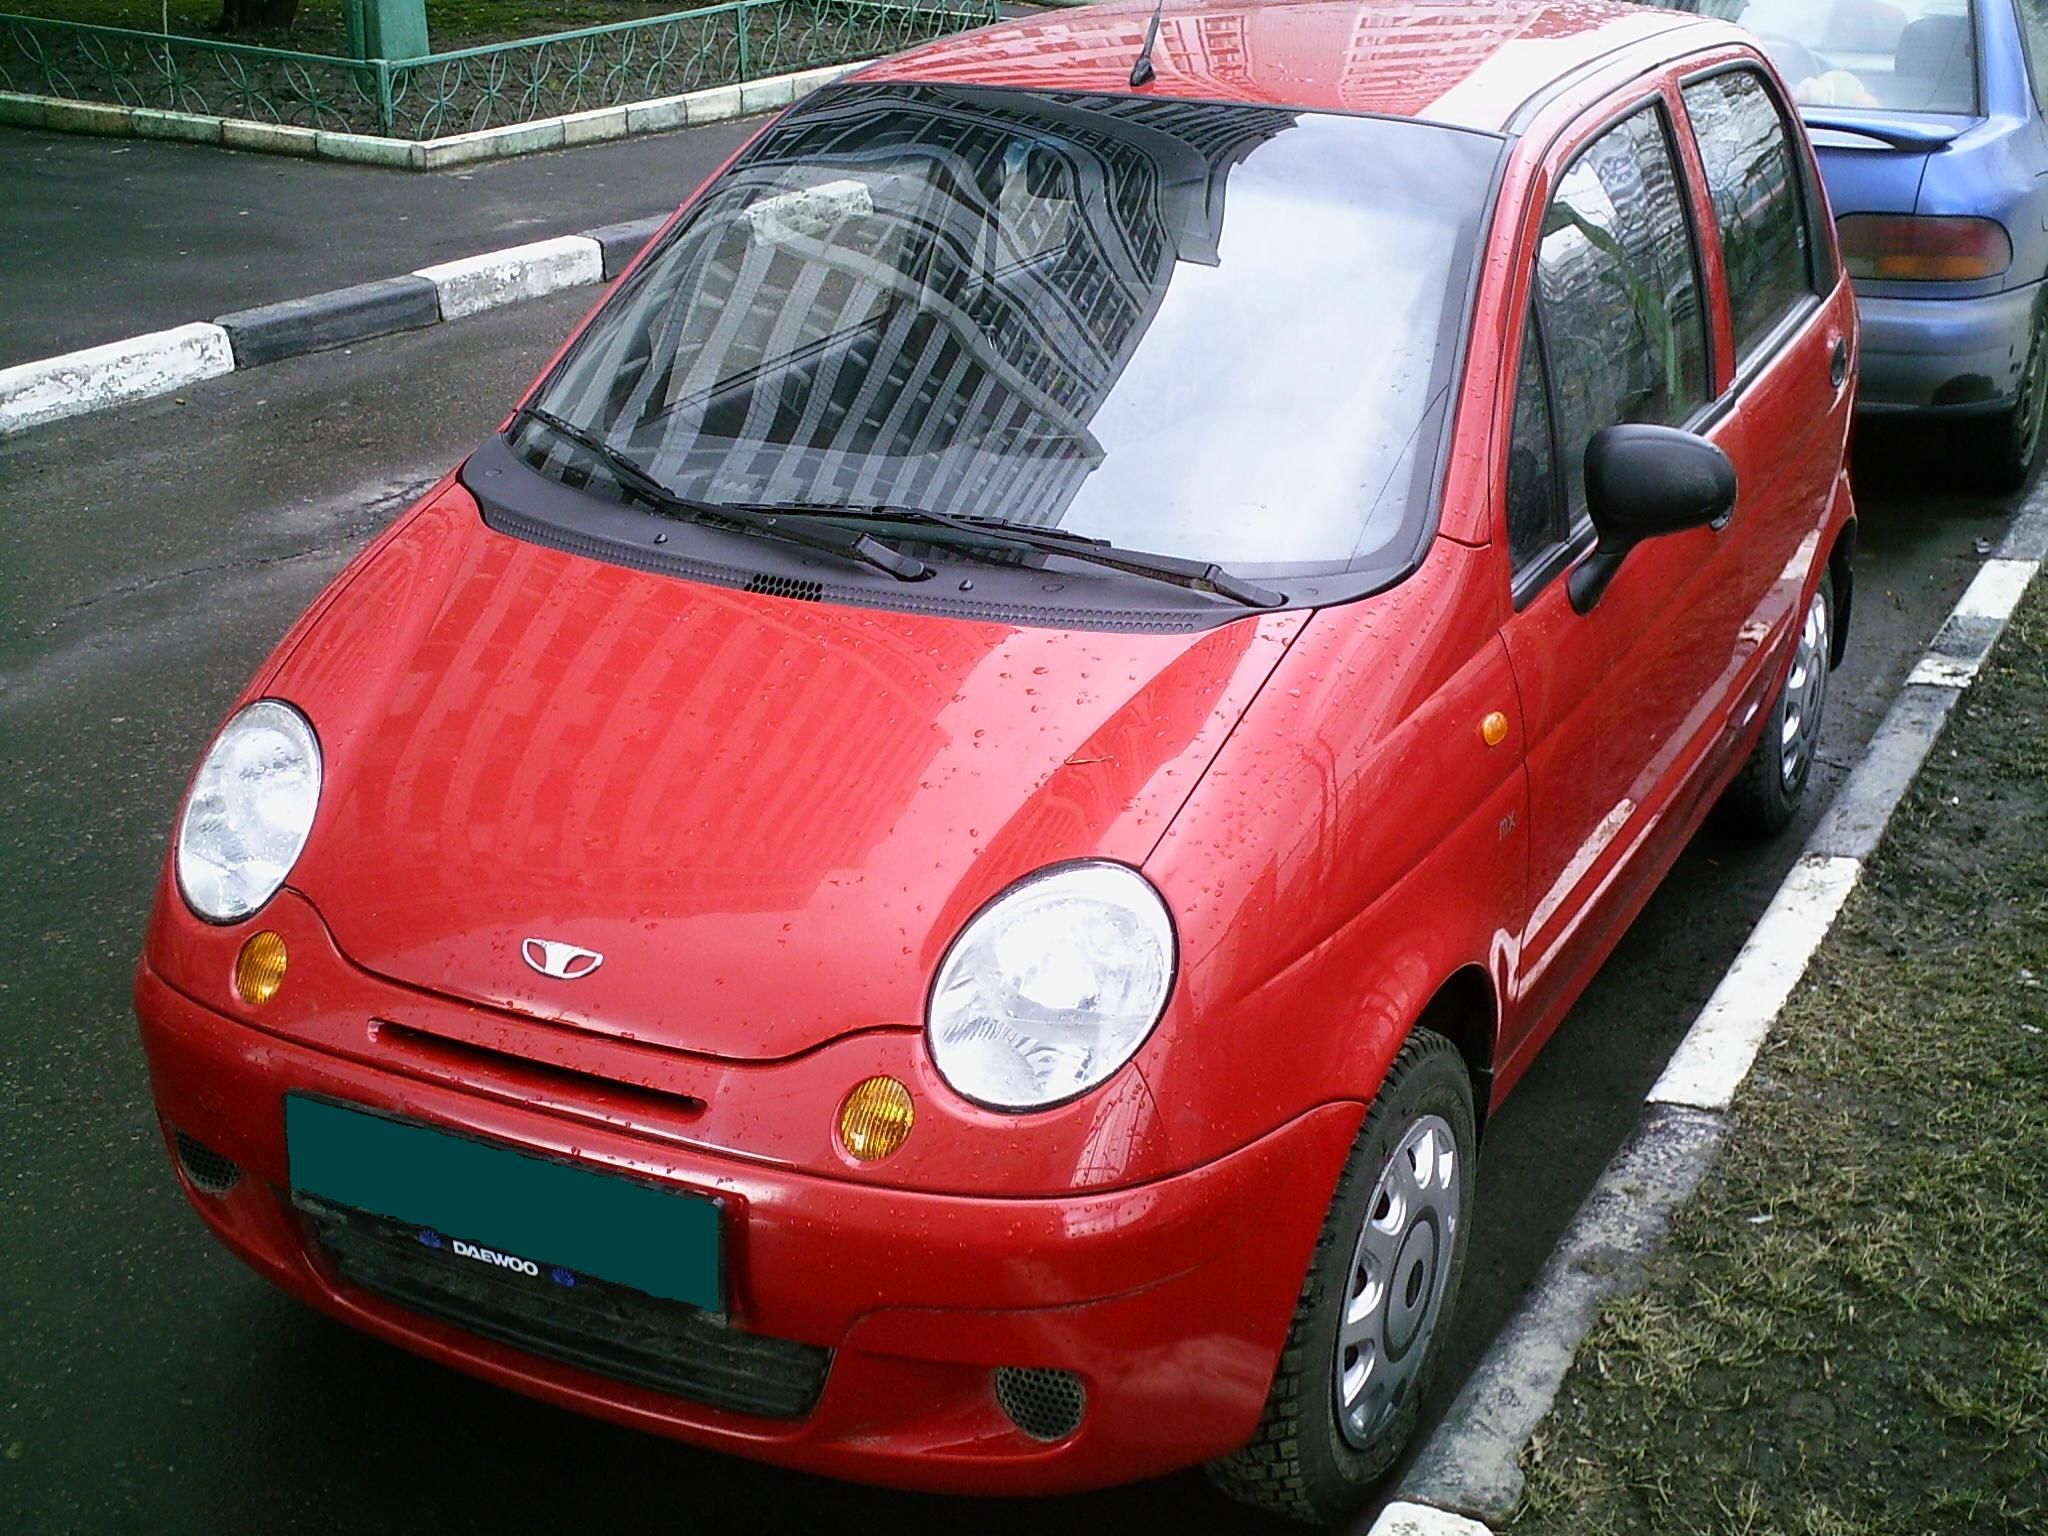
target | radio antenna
[{"x": 1142, "y": 71}]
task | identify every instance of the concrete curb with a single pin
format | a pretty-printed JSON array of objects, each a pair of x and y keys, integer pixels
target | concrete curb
[
  {"x": 1469, "y": 1471},
  {"x": 336, "y": 318},
  {"x": 75, "y": 383},
  {"x": 120, "y": 371},
  {"x": 494, "y": 279},
  {"x": 659, "y": 114}
]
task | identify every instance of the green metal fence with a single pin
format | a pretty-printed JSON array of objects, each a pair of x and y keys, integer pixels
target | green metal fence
[{"x": 471, "y": 88}]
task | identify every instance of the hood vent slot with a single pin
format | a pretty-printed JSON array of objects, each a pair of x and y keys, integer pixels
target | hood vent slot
[
  {"x": 788, "y": 586},
  {"x": 563, "y": 1089}
]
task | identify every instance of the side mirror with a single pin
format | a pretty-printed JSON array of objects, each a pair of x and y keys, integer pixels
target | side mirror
[{"x": 1642, "y": 481}]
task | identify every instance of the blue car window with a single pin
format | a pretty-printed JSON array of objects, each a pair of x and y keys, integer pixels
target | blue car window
[
  {"x": 1619, "y": 290},
  {"x": 1753, "y": 176},
  {"x": 1896, "y": 55},
  {"x": 2034, "y": 40}
]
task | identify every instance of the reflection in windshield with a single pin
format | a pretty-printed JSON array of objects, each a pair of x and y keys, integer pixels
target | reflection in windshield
[
  {"x": 1896, "y": 55},
  {"x": 1038, "y": 310}
]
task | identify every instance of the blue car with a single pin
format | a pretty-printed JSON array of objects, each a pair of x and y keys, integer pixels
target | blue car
[{"x": 1927, "y": 116}]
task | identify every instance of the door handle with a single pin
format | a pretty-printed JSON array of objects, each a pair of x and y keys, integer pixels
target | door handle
[{"x": 1838, "y": 362}]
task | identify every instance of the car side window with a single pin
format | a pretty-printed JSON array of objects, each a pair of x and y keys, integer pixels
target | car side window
[
  {"x": 1759, "y": 204},
  {"x": 1532, "y": 461},
  {"x": 1618, "y": 290}
]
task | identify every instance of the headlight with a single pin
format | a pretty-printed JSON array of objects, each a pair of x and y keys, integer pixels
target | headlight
[
  {"x": 1052, "y": 986},
  {"x": 250, "y": 811}
]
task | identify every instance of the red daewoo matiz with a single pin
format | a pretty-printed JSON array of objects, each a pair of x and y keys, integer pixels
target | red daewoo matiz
[{"x": 927, "y": 867}]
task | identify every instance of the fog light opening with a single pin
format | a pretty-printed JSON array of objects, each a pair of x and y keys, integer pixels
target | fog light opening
[
  {"x": 875, "y": 1119},
  {"x": 259, "y": 968},
  {"x": 1044, "y": 1404},
  {"x": 205, "y": 1168}
]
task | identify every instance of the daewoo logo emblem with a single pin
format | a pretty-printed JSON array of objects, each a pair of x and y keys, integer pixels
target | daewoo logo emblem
[{"x": 564, "y": 962}]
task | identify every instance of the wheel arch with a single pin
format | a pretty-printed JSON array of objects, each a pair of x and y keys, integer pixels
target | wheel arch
[
  {"x": 1465, "y": 1011},
  {"x": 1842, "y": 577}
]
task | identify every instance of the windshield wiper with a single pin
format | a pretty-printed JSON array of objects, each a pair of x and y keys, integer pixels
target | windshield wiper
[
  {"x": 1202, "y": 576},
  {"x": 849, "y": 543}
]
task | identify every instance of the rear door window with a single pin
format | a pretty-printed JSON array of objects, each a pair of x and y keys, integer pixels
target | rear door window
[
  {"x": 1759, "y": 202},
  {"x": 1618, "y": 291}
]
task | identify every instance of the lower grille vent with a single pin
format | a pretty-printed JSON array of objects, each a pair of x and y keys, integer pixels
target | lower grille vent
[
  {"x": 788, "y": 586},
  {"x": 1045, "y": 1404},
  {"x": 206, "y": 1168},
  {"x": 611, "y": 1330}
]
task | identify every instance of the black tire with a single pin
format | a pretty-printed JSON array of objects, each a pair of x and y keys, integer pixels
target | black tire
[
  {"x": 1766, "y": 794},
  {"x": 1302, "y": 1462},
  {"x": 2000, "y": 450}
]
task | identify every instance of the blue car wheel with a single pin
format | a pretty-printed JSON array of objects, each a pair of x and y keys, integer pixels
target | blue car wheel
[{"x": 2004, "y": 446}]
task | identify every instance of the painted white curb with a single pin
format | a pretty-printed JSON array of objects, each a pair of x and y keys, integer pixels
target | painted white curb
[
  {"x": 1403, "y": 1519},
  {"x": 133, "y": 369},
  {"x": 473, "y": 284},
  {"x": 1718, "y": 1051}
]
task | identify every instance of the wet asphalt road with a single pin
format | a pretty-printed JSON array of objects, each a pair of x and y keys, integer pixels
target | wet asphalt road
[
  {"x": 146, "y": 1380},
  {"x": 180, "y": 232}
]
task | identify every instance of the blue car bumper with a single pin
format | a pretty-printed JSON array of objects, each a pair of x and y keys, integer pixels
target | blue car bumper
[{"x": 1951, "y": 356}]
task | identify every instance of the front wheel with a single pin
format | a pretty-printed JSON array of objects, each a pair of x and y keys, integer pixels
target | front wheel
[{"x": 1369, "y": 1327}]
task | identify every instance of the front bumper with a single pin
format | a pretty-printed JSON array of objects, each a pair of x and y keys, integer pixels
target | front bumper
[
  {"x": 1944, "y": 356},
  {"x": 1169, "y": 1299}
]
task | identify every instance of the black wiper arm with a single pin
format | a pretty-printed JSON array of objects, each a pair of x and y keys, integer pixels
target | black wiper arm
[
  {"x": 1202, "y": 575},
  {"x": 850, "y": 543},
  {"x": 629, "y": 470}
]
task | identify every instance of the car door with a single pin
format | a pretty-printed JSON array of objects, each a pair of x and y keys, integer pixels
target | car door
[
  {"x": 1620, "y": 702},
  {"x": 1786, "y": 413}
]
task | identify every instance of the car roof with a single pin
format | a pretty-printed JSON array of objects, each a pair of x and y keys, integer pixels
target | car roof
[{"x": 1467, "y": 63}]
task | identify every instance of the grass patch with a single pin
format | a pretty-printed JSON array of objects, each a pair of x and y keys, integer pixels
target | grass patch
[
  {"x": 1847, "y": 1334},
  {"x": 319, "y": 27}
]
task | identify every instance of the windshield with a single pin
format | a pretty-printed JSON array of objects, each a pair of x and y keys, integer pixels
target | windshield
[
  {"x": 1222, "y": 332},
  {"x": 1899, "y": 55}
]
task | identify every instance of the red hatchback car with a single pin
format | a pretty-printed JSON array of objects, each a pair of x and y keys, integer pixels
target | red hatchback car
[{"x": 927, "y": 867}]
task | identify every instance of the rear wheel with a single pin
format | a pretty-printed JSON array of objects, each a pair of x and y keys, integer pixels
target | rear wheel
[
  {"x": 1765, "y": 798},
  {"x": 1368, "y": 1329},
  {"x": 2002, "y": 449}
]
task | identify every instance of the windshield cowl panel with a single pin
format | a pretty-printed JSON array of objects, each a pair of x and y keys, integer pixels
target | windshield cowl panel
[
  {"x": 1028, "y": 588},
  {"x": 1215, "y": 333}
]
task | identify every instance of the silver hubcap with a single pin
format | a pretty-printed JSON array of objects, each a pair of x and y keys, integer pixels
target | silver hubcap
[
  {"x": 1398, "y": 1274},
  {"x": 1805, "y": 691}
]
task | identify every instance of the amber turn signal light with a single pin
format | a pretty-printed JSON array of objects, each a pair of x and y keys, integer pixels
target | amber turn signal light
[
  {"x": 259, "y": 968},
  {"x": 1888, "y": 247},
  {"x": 875, "y": 1119}
]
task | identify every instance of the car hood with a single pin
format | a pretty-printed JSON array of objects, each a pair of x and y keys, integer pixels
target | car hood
[{"x": 768, "y": 816}]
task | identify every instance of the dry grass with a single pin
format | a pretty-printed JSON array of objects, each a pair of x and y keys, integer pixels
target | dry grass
[{"x": 1848, "y": 1332}]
